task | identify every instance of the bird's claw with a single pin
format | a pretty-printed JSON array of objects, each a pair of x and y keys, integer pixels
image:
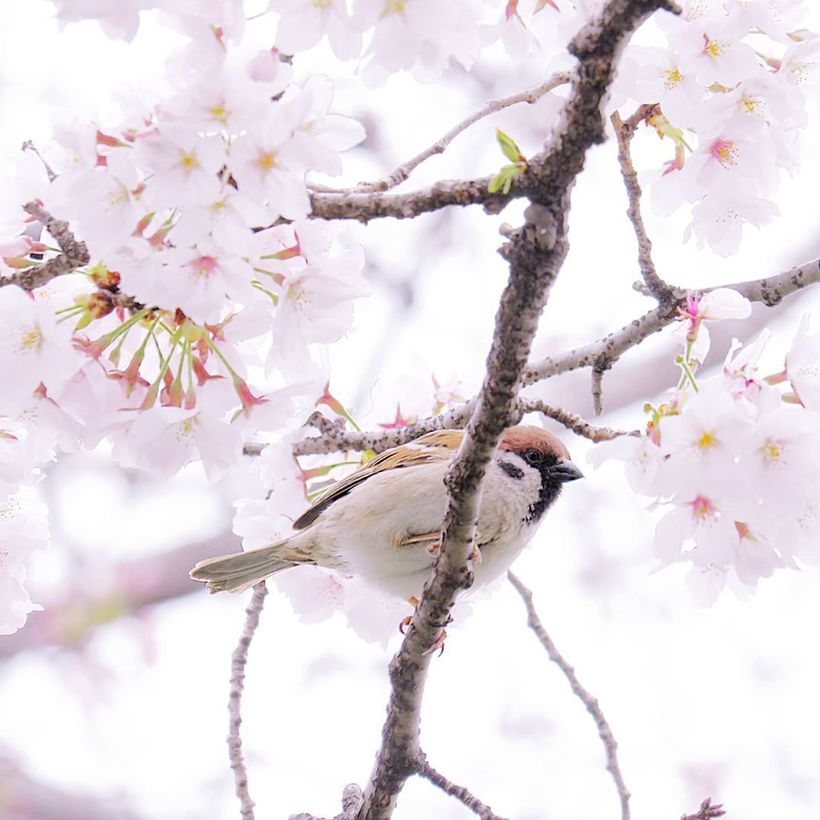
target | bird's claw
[{"x": 438, "y": 644}]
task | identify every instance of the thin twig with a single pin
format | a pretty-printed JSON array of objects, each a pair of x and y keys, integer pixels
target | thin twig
[
  {"x": 591, "y": 704},
  {"x": 624, "y": 131},
  {"x": 706, "y": 811},
  {"x": 404, "y": 170},
  {"x": 425, "y": 770},
  {"x": 239, "y": 660},
  {"x": 574, "y": 422}
]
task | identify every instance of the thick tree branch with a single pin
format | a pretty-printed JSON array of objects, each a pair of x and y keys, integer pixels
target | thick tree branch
[
  {"x": 426, "y": 771},
  {"x": 404, "y": 170},
  {"x": 591, "y": 704},
  {"x": 535, "y": 253},
  {"x": 239, "y": 660},
  {"x": 74, "y": 253},
  {"x": 624, "y": 131}
]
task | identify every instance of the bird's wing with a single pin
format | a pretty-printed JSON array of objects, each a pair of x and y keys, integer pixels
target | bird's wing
[{"x": 439, "y": 445}]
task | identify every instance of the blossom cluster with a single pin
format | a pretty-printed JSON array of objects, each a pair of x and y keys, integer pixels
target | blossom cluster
[
  {"x": 197, "y": 320},
  {"x": 732, "y": 80},
  {"x": 732, "y": 77},
  {"x": 733, "y": 460}
]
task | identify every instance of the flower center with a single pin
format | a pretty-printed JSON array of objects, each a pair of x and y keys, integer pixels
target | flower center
[
  {"x": 713, "y": 48},
  {"x": 702, "y": 507},
  {"x": 772, "y": 451},
  {"x": 672, "y": 78},
  {"x": 32, "y": 339},
  {"x": 266, "y": 161},
  {"x": 188, "y": 161},
  {"x": 725, "y": 152}
]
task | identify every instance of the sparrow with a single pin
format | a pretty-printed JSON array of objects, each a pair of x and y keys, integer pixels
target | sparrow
[{"x": 382, "y": 522}]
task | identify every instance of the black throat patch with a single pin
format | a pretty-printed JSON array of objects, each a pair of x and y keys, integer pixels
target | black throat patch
[{"x": 550, "y": 490}]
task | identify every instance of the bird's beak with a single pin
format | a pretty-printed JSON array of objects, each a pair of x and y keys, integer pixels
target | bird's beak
[{"x": 565, "y": 471}]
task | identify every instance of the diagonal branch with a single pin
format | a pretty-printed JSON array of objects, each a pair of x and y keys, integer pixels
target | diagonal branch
[
  {"x": 117, "y": 590},
  {"x": 426, "y": 771},
  {"x": 606, "y": 351},
  {"x": 591, "y": 704},
  {"x": 404, "y": 170},
  {"x": 535, "y": 253},
  {"x": 74, "y": 254},
  {"x": 573, "y": 422}
]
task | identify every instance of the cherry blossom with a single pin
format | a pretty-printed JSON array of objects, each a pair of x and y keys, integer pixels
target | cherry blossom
[
  {"x": 34, "y": 347},
  {"x": 23, "y": 529},
  {"x": 733, "y": 463},
  {"x": 803, "y": 365},
  {"x": 303, "y": 23},
  {"x": 161, "y": 440}
]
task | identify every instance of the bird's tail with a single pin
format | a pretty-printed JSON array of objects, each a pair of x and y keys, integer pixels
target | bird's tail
[{"x": 240, "y": 570}]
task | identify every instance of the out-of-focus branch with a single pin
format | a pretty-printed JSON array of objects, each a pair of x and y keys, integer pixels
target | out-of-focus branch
[
  {"x": 74, "y": 253},
  {"x": 535, "y": 253},
  {"x": 24, "y": 798},
  {"x": 426, "y": 771},
  {"x": 707, "y": 811},
  {"x": 601, "y": 354},
  {"x": 113, "y": 592},
  {"x": 591, "y": 704},
  {"x": 239, "y": 660},
  {"x": 404, "y": 170},
  {"x": 624, "y": 131}
]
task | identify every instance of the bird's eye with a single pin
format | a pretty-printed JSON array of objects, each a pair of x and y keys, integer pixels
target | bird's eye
[{"x": 533, "y": 456}]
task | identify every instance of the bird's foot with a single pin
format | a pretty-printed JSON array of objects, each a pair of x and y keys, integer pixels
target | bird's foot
[
  {"x": 438, "y": 644},
  {"x": 405, "y": 621}
]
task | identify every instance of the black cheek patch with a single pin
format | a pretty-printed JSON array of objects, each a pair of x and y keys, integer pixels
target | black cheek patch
[{"x": 511, "y": 470}]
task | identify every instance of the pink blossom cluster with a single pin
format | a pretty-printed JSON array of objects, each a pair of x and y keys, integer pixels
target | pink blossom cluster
[
  {"x": 733, "y": 460},
  {"x": 733, "y": 80}
]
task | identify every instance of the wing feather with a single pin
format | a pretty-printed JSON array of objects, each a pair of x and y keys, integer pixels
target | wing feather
[{"x": 440, "y": 445}]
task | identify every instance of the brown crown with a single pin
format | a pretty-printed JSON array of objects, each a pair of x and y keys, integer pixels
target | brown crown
[{"x": 523, "y": 437}]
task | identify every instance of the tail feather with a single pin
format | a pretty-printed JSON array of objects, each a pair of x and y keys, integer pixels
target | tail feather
[{"x": 240, "y": 570}]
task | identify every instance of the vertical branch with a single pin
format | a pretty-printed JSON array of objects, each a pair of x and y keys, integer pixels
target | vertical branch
[
  {"x": 624, "y": 131},
  {"x": 239, "y": 660},
  {"x": 591, "y": 704}
]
